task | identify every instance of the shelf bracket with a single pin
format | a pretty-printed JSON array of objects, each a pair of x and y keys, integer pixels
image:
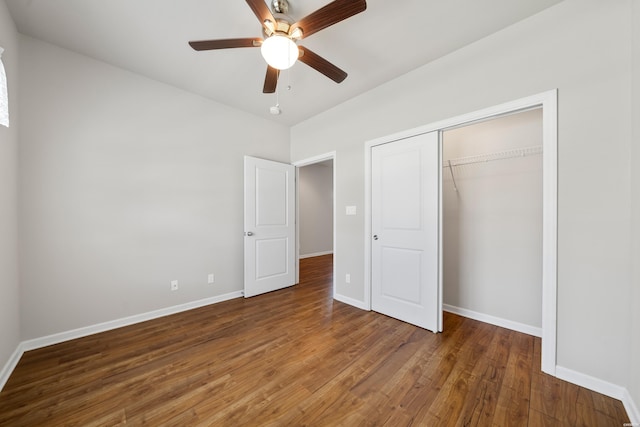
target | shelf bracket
[{"x": 453, "y": 178}]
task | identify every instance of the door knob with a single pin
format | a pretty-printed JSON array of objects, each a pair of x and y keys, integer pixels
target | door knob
[
  {"x": 375, "y": 237},
  {"x": 248, "y": 233}
]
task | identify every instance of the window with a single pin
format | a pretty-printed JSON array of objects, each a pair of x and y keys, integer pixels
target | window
[{"x": 4, "y": 100}]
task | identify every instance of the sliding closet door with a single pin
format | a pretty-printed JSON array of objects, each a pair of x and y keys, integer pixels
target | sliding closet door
[{"x": 405, "y": 202}]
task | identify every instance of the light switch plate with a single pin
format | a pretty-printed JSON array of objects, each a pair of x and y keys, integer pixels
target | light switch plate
[{"x": 351, "y": 210}]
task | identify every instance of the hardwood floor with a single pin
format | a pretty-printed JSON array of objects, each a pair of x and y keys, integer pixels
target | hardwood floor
[{"x": 296, "y": 357}]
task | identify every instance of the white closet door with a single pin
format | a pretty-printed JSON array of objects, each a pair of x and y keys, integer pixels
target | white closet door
[{"x": 405, "y": 204}]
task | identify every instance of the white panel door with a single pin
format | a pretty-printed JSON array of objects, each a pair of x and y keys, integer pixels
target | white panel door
[
  {"x": 405, "y": 211},
  {"x": 269, "y": 226}
]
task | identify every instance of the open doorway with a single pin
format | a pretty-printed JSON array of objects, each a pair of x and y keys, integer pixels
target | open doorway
[
  {"x": 315, "y": 209},
  {"x": 315, "y": 187}
]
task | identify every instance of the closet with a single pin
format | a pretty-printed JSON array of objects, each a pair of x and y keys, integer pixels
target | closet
[{"x": 492, "y": 220}]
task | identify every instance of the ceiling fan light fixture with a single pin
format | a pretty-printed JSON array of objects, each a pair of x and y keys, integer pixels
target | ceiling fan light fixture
[
  {"x": 279, "y": 51},
  {"x": 269, "y": 25},
  {"x": 296, "y": 33}
]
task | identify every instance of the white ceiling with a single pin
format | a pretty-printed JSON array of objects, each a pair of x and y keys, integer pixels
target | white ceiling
[{"x": 150, "y": 37}]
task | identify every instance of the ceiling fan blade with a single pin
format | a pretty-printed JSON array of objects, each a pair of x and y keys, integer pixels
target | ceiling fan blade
[
  {"x": 334, "y": 12},
  {"x": 225, "y": 43},
  {"x": 271, "y": 80},
  {"x": 261, "y": 10},
  {"x": 322, "y": 65}
]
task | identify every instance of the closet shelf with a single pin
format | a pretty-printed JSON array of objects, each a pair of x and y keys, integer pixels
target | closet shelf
[{"x": 501, "y": 155}]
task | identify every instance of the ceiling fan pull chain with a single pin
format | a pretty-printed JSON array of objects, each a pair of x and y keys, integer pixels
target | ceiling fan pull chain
[{"x": 275, "y": 110}]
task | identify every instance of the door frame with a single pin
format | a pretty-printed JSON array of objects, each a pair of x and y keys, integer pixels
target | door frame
[
  {"x": 331, "y": 155},
  {"x": 548, "y": 101}
]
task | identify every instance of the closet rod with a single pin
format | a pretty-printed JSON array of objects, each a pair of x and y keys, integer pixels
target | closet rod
[{"x": 501, "y": 155}]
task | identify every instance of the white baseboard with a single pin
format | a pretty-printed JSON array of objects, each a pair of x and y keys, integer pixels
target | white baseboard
[
  {"x": 603, "y": 387},
  {"x": 11, "y": 364},
  {"x": 354, "y": 302},
  {"x": 486, "y": 318},
  {"x": 631, "y": 408},
  {"x": 126, "y": 321},
  {"x": 315, "y": 254},
  {"x": 592, "y": 383},
  {"x": 36, "y": 343}
]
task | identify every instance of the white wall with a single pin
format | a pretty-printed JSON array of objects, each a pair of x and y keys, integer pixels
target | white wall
[
  {"x": 315, "y": 201},
  {"x": 635, "y": 200},
  {"x": 492, "y": 231},
  {"x": 126, "y": 184},
  {"x": 9, "y": 290},
  {"x": 581, "y": 47}
]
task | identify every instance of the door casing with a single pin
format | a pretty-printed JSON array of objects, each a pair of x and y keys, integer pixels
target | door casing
[{"x": 306, "y": 162}]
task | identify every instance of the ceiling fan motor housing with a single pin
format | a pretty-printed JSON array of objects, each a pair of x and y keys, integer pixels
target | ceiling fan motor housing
[
  {"x": 282, "y": 25},
  {"x": 280, "y": 6}
]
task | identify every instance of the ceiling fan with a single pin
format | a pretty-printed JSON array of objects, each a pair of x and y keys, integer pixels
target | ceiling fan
[{"x": 279, "y": 47}]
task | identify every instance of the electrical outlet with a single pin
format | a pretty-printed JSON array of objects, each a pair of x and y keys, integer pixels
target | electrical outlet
[
  {"x": 347, "y": 278},
  {"x": 174, "y": 285},
  {"x": 211, "y": 278}
]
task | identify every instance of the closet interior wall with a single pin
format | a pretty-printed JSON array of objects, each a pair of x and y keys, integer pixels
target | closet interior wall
[{"x": 492, "y": 219}]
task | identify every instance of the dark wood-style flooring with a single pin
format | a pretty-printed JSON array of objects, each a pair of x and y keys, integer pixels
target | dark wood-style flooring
[{"x": 296, "y": 357}]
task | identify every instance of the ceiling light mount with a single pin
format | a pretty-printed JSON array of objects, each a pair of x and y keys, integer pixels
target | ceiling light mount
[{"x": 280, "y": 6}]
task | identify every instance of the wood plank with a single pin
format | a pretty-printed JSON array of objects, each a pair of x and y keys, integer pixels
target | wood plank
[
  {"x": 296, "y": 357},
  {"x": 513, "y": 401}
]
